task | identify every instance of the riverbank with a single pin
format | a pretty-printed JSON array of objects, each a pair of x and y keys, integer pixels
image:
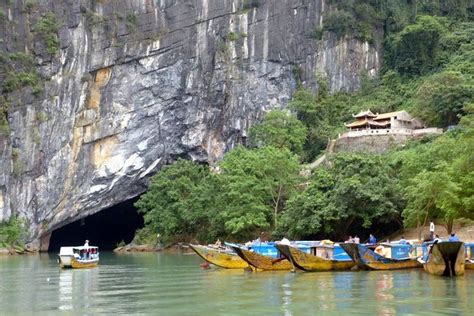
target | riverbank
[
  {"x": 464, "y": 232},
  {"x": 174, "y": 248},
  {"x": 11, "y": 251}
]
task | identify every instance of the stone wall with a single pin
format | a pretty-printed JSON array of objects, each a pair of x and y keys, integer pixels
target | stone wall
[{"x": 135, "y": 84}]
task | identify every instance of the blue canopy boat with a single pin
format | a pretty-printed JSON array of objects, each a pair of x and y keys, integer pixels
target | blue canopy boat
[{"x": 397, "y": 257}]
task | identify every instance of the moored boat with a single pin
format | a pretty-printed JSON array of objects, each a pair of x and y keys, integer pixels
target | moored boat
[
  {"x": 78, "y": 257},
  {"x": 307, "y": 261},
  {"x": 367, "y": 259},
  {"x": 445, "y": 258},
  {"x": 260, "y": 261},
  {"x": 219, "y": 256}
]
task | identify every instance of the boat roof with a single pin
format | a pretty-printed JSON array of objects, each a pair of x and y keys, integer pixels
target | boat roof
[{"x": 71, "y": 248}]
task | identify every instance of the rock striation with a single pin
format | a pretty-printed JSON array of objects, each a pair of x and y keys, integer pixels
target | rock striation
[{"x": 127, "y": 86}]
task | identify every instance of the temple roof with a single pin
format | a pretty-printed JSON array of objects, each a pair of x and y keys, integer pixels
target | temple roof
[
  {"x": 387, "y": 115},
  {"x": 366, "y": 122},
  {"x": 364, "y": 114}
]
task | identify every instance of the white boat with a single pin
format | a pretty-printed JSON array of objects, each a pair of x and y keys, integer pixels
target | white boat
[{"x": 78, "y": 257}]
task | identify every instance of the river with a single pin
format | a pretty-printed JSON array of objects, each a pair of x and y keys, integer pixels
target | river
[{"x": 174, "y": 284}]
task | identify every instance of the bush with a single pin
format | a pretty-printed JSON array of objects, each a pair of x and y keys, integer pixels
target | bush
[
  {"x": 47, "y": 29},
  {"x": 12, "y": 232},
  {"x": 338, "y": 22},
  {"x": 232, "y": 36}
]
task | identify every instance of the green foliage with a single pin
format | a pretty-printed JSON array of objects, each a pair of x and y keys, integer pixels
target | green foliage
[
  {"x": 255, "y": 186},
  {"x": 232, "y": 36},
  {"x": 47, "y": 29},
  {"x": 4, "y": 126},
  {"x": 132, "y": 21},
  {"x": 186, "y": 201},
  {"x": 279, "y": 129},
  {"x": 441, "y": 97},
  {"x": 415, "y": 50},
  {"x": 176, "y": 202},
  {"x": 12, "y": 232},
  {"x": 356, "y": 192},
  {"x": 438, "y": 176},
  {"x": 29, "y": 5},
  {"x": 338, "y": 22}
]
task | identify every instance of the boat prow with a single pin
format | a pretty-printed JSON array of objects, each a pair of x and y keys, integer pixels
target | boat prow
[
  {"x": 446, "y": 259},
  {"x": 260, "y": 261},
  {"x": 78, "y": 257},
  {"x": 219, "y": 257},
  {"x": 367, "y": 259},
  {"x": 311, "y": 263}
]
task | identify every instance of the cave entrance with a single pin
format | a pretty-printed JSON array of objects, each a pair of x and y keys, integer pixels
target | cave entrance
[{"x": 104, "y": 229}]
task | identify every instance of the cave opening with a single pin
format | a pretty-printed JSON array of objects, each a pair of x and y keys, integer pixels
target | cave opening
[{"x": 104, "y": 229}]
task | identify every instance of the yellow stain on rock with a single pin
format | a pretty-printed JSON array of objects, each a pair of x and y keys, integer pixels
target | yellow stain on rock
[
  {"x": 101, "y": 79},
  {"x": 102, "y": 150}
]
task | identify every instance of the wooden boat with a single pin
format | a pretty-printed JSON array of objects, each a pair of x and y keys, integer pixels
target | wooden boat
[
  {"x": 469, "y": 265},
  {"x": 445, "y": 258},
  {"x": 219, "y": 257},
  {"x": 309, "y": 262},
  {"x": 261, "y": 261},
  {"x": 78, "y": 257},
  {"x": 367, "y": 259}
]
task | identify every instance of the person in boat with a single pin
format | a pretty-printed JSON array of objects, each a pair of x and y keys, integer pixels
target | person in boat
[
  {"x": 403, "y": 241},
  {"x": 372, "y": 239},
  {"x": 453, "y": 237},
  {"x": 86, "y": 244},
  {"x": 350, "y": 240},
  {"x": 356, "y": 239},
  {"x": 437, "y": 239}
]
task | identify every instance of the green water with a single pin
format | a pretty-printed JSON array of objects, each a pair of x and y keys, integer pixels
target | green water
[{"x": 174, "y": 284}]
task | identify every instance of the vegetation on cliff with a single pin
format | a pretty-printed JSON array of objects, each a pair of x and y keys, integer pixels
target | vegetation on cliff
[{"x": 428, "y": 70}]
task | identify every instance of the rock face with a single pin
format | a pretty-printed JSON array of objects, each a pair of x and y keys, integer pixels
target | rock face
[{"x": 133, "y": 85}]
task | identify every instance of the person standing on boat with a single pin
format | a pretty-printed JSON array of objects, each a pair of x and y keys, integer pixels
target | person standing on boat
[
  {"x": 372, "y": 239},
  {"x": 432, "y": 230},
  {"x": 356, "y": 239},
  {"x": 86, "y": 244}
]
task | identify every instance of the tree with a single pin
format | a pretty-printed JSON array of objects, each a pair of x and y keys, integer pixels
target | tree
[
  {"x": 178, "y": 202},
  {"x": 441, "y": 97},
  {"x": 281, "y": 130},
  {"x": 356, "y": 192},
  {"x": 255, "y": 185},
  {"x": 414, "y": 50}
]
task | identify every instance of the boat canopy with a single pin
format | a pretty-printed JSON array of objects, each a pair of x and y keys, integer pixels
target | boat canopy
[{"x": 65, "y": 251}]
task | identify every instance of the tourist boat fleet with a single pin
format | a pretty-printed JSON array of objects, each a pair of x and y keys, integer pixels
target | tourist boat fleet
[{"x": 443, "y": 258}]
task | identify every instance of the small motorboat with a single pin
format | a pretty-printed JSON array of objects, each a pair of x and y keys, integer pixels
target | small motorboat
[{"x": 78, "y": 257}]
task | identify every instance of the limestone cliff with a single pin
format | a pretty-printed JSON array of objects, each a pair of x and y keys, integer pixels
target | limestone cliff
[{"x": 121, "y": 87}]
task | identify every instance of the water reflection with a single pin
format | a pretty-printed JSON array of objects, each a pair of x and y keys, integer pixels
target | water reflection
[
  {"x": 76, "y": 288},
  {"x": 175, "y": 284}
]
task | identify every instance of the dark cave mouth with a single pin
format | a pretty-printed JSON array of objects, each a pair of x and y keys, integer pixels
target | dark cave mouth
[{"x": 104, "y": 229}]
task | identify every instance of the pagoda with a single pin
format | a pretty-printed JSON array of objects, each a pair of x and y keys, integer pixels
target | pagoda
[{"x": 366, "y": 120}]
